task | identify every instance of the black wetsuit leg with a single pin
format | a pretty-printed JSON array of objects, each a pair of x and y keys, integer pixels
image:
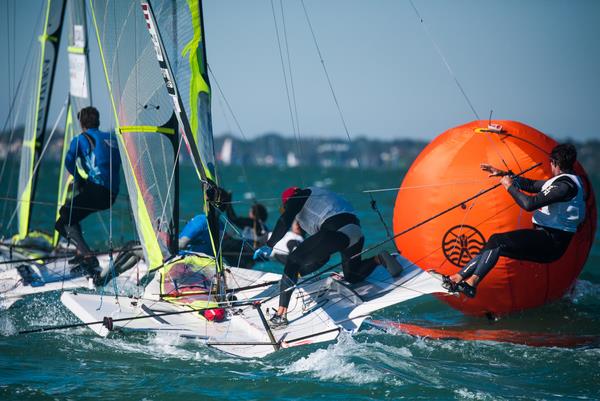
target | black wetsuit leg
[
  {"x": 92, "y": 198},
  {"x": 311, "y": 254},
  {"x": 355, "y": 268},
  {"x": 469, "y": 268},
  {"x": 316, "y": 250},
  {"x": 541, "y": 245}
]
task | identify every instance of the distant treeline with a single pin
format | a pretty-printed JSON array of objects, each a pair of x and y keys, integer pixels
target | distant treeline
[
  {"x": 277, "y": 150},
  {"x": 274, "y": 149}
]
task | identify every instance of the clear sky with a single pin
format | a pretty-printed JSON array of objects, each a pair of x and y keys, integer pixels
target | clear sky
[{"x": 534, "y": 61}]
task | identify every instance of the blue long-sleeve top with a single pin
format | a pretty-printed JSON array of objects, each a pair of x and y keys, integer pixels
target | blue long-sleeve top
[{"x": 93, "y": 155}]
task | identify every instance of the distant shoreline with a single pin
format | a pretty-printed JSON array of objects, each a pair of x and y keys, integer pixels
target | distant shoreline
[{"x": 274, "y": 149}]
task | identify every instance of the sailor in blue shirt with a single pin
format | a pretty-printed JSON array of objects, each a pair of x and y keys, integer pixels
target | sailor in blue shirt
[
  {"x": 195, "y": 236},
  {"x": 93, "y": 159}
]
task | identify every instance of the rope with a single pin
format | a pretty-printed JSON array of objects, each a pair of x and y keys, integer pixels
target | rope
[
  {"x": 376, "y": 209},
  {"x": 377, "y": 245}
]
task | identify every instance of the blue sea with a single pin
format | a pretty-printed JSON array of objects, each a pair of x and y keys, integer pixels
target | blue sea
[{"x": 75, "y": 364}]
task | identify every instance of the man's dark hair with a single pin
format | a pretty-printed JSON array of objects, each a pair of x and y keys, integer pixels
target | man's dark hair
[
  {"x": 564, "y": 156},
  {"x": 260, "y": 212},
  {"x": 89, "y": 117}
]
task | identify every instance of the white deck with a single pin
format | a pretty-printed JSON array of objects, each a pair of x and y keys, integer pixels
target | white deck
[
  {"x": 52, "y": 276},
  {"x": 318, "y": 311}
]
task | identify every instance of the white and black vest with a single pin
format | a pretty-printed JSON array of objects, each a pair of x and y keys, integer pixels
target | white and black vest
[
  {"x": 565, "y": 216},
  {"x": 319, "y": 206}
]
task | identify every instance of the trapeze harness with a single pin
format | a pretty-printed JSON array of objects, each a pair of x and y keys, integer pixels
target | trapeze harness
[
  {"x": 559, "y": 210},
  {"x": 332, "y": 226}
]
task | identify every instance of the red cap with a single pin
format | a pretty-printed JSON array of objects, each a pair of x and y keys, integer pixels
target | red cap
[
  {"x": 288, "y": 193},
  {"x": 216, "y": 314}
]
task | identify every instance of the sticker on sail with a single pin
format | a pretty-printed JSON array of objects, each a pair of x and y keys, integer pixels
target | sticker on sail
[
  {"x": 77, "y": 73},
  {"x": 78, "y": 36}
]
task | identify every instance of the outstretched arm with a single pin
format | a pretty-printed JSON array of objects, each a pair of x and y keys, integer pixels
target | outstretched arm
[
  {"x": 525, "y": 184},
  {"x": 560, "y": 191}
]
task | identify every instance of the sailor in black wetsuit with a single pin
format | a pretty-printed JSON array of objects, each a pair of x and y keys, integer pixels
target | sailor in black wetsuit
[
  {"x": 559, "y": 209},
  {"x": 254, "y": 232},
  {"x": 331, "y": 225}
]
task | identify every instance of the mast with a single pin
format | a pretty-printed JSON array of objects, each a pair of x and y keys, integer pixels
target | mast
[{"x": 36, "y": 124}]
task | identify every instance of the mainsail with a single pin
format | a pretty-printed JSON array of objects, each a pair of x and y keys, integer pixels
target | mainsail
[
  {"x": 38, "y": 112},
  {"x": 146, "y": 117},
  {"x": 79, "y": 91},
  {"x": 184, "y": 28}
]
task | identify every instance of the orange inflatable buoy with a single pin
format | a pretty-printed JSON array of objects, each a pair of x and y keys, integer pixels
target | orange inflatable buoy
[{"x": 446, "y": 173}]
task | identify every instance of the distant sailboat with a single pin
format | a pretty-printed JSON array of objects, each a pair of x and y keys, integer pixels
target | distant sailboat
[{"x": 226, "y": 152}]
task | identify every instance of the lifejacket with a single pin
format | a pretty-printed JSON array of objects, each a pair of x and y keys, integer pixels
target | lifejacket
[
  {"x": 319, "y": 206},
  {"x": 95, "y": 164},
  {"x": 281, "y": 247},
  {"x": 565, "y": 216}
]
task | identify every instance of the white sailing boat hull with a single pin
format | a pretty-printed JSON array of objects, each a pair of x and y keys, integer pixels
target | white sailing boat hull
[
  {"x": 52, "y": 276},
  {"x": 318, "y": 311}
]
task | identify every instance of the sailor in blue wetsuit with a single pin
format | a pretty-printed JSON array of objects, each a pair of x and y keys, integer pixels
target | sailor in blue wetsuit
[
  {"x": 93, "y": 159},
  {"x": 195, "y": 236},
  {"x": 559, "y": 207}
]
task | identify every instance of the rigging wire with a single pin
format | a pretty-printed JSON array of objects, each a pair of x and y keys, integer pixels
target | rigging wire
[
  {"x": 42, "y": 153},
  {"x": 321, "y": 271},
  {"x": 287, "y": 89},
  {"x": 235, "y": 119},
  {"x": 289, "y": 62},
  {"x": 25, "y": 72},
  {"x": 454, "y": 77},
  {"x": 257, "y": 302},
  {"x": 441, "y": 54},
  {"x": 373, "y": 202},
  {"x": 335, "y": 99},
  {"x": 10, "y": 61}
]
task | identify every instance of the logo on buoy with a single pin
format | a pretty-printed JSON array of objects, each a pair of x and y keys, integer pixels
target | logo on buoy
[{"x": 461, "y": 244}]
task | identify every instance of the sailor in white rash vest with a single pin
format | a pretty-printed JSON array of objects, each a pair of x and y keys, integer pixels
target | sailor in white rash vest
[
  {"x": 331, "y": 226},
  {"x": 288, "y": 243},
  {"x": 559, "y": 210}
]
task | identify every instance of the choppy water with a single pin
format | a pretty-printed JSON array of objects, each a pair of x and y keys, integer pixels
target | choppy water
[{"x": 375, "y": 364}]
